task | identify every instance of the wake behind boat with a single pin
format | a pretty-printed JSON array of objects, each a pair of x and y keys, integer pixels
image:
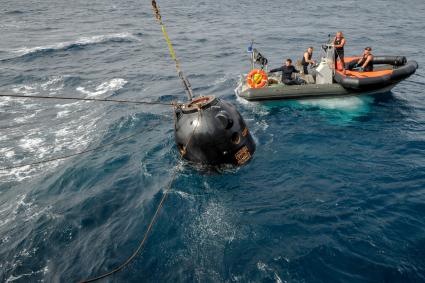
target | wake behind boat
[{"x": 325, "y": 80}]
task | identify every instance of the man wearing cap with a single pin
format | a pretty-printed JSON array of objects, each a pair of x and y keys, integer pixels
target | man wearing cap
[{"x": 365, "y": 63}]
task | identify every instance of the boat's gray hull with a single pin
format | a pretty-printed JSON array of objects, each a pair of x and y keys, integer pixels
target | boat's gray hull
[{"x": 309, "y": 91}]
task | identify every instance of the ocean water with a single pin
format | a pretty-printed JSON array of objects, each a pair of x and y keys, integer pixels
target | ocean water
[{"x": 335, "y": 191}]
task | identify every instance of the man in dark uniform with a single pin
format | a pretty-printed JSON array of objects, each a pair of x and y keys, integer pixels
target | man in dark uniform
[
  {"x": 287, "y": 71},
  {"x": 365, "y": 63},
  {"x": 339, "y": 42},
  {"x": 307, "y": 60}
]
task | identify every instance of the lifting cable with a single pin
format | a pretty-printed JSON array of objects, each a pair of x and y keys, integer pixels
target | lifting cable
[
  {"x": 185, "y": 81},
  {"x": 189, "y": 92},
  {"x": 73, "y": 154},
  {"x": 145, "y": 237},
  {"x": 153, "y": 220},
  {"x": 80, "y": 99},
  {"x": 86, "y": 99}
]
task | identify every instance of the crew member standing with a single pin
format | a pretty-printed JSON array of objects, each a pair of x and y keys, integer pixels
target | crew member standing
[
  {"x": 307, "y": 60},
  {"x": 339, "y": 42}
]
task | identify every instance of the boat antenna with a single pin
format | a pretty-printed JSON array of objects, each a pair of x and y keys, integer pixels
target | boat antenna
[
  {"x": 251, "y": 50},
  {"x": 185, "y": 81}
]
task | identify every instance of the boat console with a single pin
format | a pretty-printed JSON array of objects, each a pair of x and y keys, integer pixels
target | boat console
[{"x": 325, "y": 71}]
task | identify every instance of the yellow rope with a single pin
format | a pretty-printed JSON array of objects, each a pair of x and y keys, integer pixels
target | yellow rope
[
  {"x": 170, "y": 46},
  {"x": 185, "y": 81}
]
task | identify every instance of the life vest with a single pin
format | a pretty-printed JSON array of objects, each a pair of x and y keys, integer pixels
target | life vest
[
  {"x": 303, "y": 62},
  {"x": 369, "y": 66},
  {"x": 338, "y": 42}
]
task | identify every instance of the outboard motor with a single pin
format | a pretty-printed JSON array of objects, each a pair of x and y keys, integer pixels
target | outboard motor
[{"x": 211, "y": 131}]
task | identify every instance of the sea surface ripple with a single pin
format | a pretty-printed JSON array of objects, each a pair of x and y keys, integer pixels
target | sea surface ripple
[{"x": 335, "y": 191}]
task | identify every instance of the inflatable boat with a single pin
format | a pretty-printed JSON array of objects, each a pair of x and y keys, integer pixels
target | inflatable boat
[
  {"x": 324, "y": 80},
  {"x": 389, "y": 70}
]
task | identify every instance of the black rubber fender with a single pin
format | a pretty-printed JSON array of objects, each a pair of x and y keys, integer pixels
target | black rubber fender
[
  {"x": 404, "y": 71},
  {"x": 390, "y": 60},
  {"x": 363, "y": 83},
  {"x": 399, "y": 73}
]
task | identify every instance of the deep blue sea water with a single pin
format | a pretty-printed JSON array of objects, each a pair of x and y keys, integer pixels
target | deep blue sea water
[{"x": 335, "y": 191}]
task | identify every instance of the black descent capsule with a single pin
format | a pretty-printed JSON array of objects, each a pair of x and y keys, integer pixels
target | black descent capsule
[{"x": 212, "y": 132}]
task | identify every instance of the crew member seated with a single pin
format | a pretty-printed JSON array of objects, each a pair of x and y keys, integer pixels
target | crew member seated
[
  {"x": 365, "y": 63},
  {"x": 287, "y": 71}
]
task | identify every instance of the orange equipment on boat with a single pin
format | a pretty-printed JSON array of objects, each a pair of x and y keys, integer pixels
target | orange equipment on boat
[{"x": 256, "y": 78}]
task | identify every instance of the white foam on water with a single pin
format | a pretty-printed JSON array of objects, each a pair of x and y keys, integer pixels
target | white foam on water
[
  {"x": 5, "y": 240},
  {"x": 262, "y": 124},
  {"x": 105, "y": 87},
  {"x": 351, "y": 103},
  {"x": 212, "y": 226},
  {"x": 341, "y": 110},
  {"x": 25, "y": 90},
  {"x": 51, "y": 86},
  {"x": 222, "y": 79},
  {"x": 13, "y": 278},
  {"x": 62, "y": 114},
  {"x": 16, "y": 212},
  {"x": 67, "y": 105},
  {"x": 261, "y": 266},
  {"x": 4, "y": 101},
  {"x": 9, "y": 210},
  {"x": 31, "y": 144},
  {"x": 145, "y": 170},
  {"x": 9, "y": 154},
  {"x": 52, "y": 81},
  {"x": 82, "y": 41},
  {"x": 5, "y": 220},
  {"x": 264, "y": 268},
  {"x": 6, "y": 154},
  {"x": 17, "y": 174},
  {"x": 74, "y": 128},
  {"x": 24, "y": 119},
  {"x": 28, "y": 105},
  {"x": 71, "y": 135},
  {"x": 5, "y": 150},
  {"x": 64, "y": 132},
  {"x": 255, "y": 107},
  {"x": 184, "y": 195}
]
